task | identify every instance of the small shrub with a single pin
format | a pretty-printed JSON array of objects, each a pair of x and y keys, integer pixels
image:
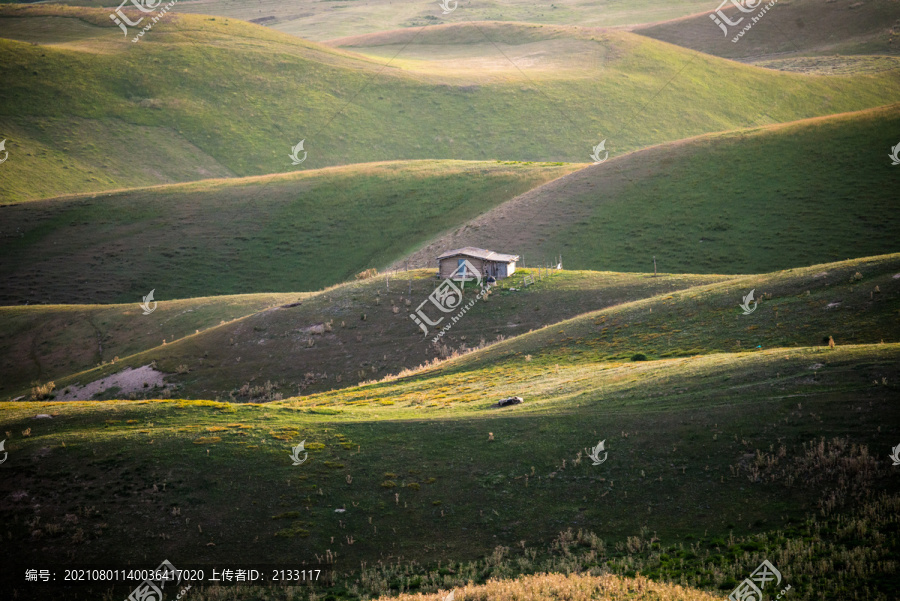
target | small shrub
[
  {"x": 413, "y": 486},
  {"x": 41, "y": 392},
  {"x": 388, "y": 484},
  {"x": 296, "y": 529},
  {"x": 368, "y": 273},
  {"x": 639, "y": 357}
]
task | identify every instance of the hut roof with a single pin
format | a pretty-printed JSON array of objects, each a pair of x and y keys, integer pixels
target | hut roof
[{"x": 479, "y": 253}]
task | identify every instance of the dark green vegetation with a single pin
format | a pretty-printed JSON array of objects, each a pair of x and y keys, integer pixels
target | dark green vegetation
[
  {"x": 680, "y": 469},
  {"x": 750, "y": 201},
  {"x": 299, "y": 231},
  {"x": 695, "y": 445},
  {"x": 206, "y": 96}
]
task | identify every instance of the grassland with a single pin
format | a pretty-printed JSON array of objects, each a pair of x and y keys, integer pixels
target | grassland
[
  {"x": 39, "y": 343},
  {"x": 206, "y": 96},
  {"x": 798, "y": 28},
  {"x": 283, "y": 233},
  {"x": 730, "y": 437},
  {"x": 679, "y": 481},
  {"x": 761, "y": 199},
  {"x": 326, "y": 21},
  {"x": 236, "y": 359}
]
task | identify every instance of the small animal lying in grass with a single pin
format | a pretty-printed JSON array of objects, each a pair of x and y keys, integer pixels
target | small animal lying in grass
[{"x": 513, "y": 400}]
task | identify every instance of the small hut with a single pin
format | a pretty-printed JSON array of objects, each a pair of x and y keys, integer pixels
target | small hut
[{"x": 487, "y": 262}]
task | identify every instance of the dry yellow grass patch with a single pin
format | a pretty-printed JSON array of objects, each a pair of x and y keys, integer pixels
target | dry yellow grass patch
[
  {"x": 574, "y": 587},
  {"x": 208, "y": 440}
]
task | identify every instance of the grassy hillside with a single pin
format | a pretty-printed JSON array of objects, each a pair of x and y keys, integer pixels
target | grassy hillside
[
  {"x": 751, "y": 201},
  {"x": 795, "y": 28},
  {"x": 39, "y": 343},
  {"x": 284, "y": 347},
  {"x": 299, "y": 231},
  {"x": 596, "y": 317},
  {"x": 678, "y": 482},
  {"x": 206, "y": 96},
  {"x": 855, "y": 302},
  {"x": 325, "y": 21}
]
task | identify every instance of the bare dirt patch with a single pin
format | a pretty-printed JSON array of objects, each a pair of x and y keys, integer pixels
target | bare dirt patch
[{"x": 128, "y": 381}]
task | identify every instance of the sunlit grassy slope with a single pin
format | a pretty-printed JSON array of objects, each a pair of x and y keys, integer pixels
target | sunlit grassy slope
[
  {"x": 207, "y": 96},
  {"x": 761, "y": 199},
  {"x": 324, "y": 21},
  {"x": 288, "y": 232}
]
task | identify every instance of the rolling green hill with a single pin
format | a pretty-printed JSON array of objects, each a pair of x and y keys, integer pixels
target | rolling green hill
[
  {"x": 205, "y": 96},
  {"x": 288, "y": 232},
  {"x": 794, "y": 28},
  {"x": 596, "y": 317},
  {"x": 855, "y": 302},
  {"x": 284, "y": 346},
  {"x": 750, "y": 201}
]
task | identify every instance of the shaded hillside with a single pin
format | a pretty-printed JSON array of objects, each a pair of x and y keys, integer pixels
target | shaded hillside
[
  {"x": 750, "y": 201},
  {"x": 794, "y": 28},
  {"x": 289, "y": 232},
  {"x": 290, "y": 348}
]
